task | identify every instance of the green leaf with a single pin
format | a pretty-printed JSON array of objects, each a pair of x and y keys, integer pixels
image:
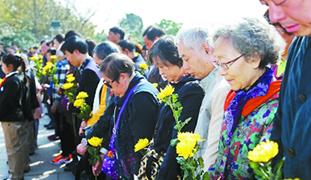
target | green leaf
[
  {"x": 206, "y": 176},
  {"x": 200, "y": 160},
  {"x": 182, "y": 124},
  {"x": 186, "y": 174},
  {"x": 181, "y": 161},
  {"x": 258, "y": 172},
  {"x": 174, "y": 142},
  {"x": 177, "y": 104},
  {"x": 254, "y": 165},
  {"x": 278, "y": 169},
  {"x": 174, "y": 98}
]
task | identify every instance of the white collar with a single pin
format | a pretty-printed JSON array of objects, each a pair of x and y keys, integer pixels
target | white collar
[{"x": 11, "y": 73}]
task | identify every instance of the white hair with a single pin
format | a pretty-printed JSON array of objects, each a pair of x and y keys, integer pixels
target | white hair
[{"x": 193, "y": 37}]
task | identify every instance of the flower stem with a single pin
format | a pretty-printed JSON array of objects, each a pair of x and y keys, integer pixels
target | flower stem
[{"x": 175, "y": 117}]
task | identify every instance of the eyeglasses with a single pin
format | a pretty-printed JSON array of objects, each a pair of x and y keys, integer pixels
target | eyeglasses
[
  {"x": 226, "y": 65},
  {"x": 109, "y": 84}
]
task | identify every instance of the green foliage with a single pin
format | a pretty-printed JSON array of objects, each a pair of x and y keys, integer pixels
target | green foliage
[
  {"x": 100, "y": 37},
  {"x": 85, "y": 112},
  {"x": 169, "y": 26},
  {"x": 22, "y": 39},
  {"x": 133, "y": 26},
  {"x": 265, "y": 171},
  {"x": 32, "y": 19}
]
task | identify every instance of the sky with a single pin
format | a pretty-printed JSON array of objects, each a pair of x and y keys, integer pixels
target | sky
[{"x": 109, "y": 12}]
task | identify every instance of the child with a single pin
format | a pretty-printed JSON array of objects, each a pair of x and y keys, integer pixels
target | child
[{"x": 12, "y": 91}]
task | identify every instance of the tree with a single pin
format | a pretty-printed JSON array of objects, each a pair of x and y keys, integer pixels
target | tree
[
  {"x": 169, "y": 26},
  {"x": 35, "y": 16},
  {"x": 100, "y": 37},
  {"x": 132, "y": 25},
  {"x": 22, "y": 39}
]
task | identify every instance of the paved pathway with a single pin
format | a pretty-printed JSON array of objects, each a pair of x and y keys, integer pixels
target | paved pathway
[{"x": 40, "y": 165}]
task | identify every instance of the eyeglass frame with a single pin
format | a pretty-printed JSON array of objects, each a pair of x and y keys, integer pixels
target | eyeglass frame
[
  {"x": 109, "y": 84},
  {"x": 228, "y": 64}
]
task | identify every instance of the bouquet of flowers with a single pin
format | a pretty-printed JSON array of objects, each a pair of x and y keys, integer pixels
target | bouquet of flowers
[
  {"x": 186, "y": 142},
  {"x": 143, "y": 68},
  {"x": 50, "y": 70},
  {"x": 70, "y": 88},
  {"x": 260, "y": 160},
  {"x": 85, "y": 109},
  {"x": 94, "y": 150},
  {"x": 38, "y": 66}
]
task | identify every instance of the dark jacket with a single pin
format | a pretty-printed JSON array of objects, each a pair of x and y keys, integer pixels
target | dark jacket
[
  {"x": 137, "y": 122},
  {"x": 292, "y": 122},
  {"x": 88, "y": 81},
  {"x": 137, "y": 61},
  {"x": 11, "y": 94},
  {"x": 190, "y": 96}
]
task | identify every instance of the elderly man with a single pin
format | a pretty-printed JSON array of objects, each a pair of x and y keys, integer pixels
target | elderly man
[
  {"x": 198, "y": 60},
  {"x": 292, "y": 125}
]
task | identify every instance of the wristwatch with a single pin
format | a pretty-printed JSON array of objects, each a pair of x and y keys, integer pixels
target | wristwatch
[{"x": 84, "y": 141}]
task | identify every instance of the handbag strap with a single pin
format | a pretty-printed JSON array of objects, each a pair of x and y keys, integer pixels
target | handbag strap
[{"x": 122, "y": 108}]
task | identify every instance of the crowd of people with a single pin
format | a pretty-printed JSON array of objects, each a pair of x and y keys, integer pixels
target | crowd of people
[{"x": 239, "y": 84}]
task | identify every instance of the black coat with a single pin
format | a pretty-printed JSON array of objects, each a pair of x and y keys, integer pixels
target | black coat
[
  {"x": 11, "y": 97},
  {"x": 190, "y": 95}
]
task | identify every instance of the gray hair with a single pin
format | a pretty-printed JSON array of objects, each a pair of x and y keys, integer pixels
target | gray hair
[
  {"x": 105, "y": 48},
  {"x": 253, "y": 37},
  {"x": 193, "y": 37},
  {"x": 115, "y": 64}
]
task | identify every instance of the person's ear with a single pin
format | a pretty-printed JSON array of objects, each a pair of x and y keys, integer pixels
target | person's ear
[
  {"x": 126, "y": 51},
  {"x": 76, "y": 51},
  {"x": 207, "y": 49},
  {"x": 10, "y": 66},
  {"x": 122, "y": 77},
  {"x": 118, "y": 36},
  {"x": 255, "y": 61}
]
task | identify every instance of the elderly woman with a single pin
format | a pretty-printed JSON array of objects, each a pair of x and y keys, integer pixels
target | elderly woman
[
  {"x": 165, "y": 56},
  {"x": 244, "y": 50},
  {"x": 132, "y": 115}
]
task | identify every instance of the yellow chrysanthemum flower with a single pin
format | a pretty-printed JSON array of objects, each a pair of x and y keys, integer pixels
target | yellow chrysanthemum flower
[
  {"x": 43, "y": 72},
  {"x": 67, "y": 86},
  {"x": 49, "y": 63},
  {"x": 143, "y": 66},
  {"x": 95, "y": 141},
  {"x": 264, "y": 151},
  {"x": 40, "y": 56},
  {"x": 78, "y": 103},
  {"x": 82, "y": 95},
  {"x": 155, "y": 85},
  {"x": 41, "y": 61},
  {"x": 33, "y": 58},
  {"x": 141, "y": 144},
  {"x": 186, "y": 144},
  {"x": 69, "y": 75},
  {"x": 292, "y": 179},
  {"x": 167, "y": 91},
  {"x": 186, "y": 135},
  {"x": 71, "y": 79},
  {"x": 53, "y": 57},
  {"x": 47, "y": 67}
]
